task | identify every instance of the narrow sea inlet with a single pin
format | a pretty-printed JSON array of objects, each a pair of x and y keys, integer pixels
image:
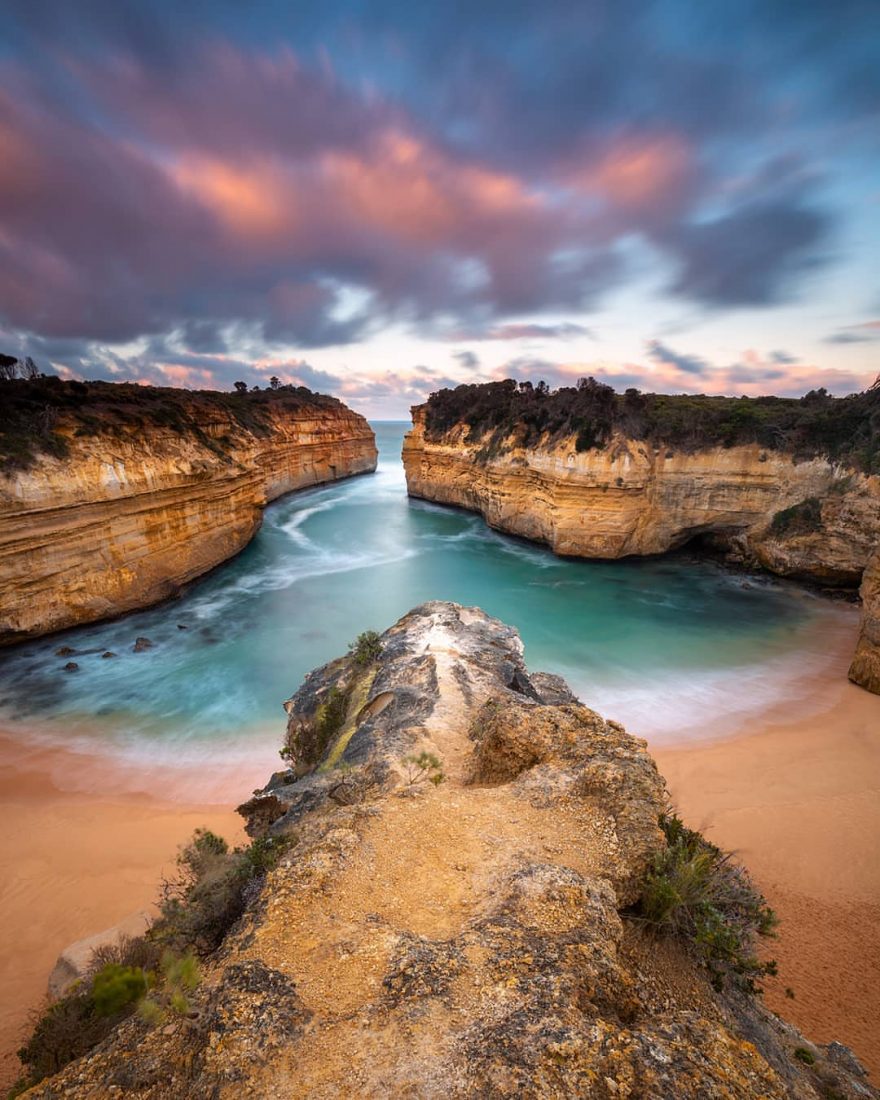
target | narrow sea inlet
[{"x": 675, "y": 650}]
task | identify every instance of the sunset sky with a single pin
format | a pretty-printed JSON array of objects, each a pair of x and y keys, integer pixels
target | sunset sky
[{"x": 379, "y": 199}]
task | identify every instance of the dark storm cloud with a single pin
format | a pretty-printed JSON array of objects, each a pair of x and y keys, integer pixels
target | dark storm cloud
[
  {"x": 467, "y": 359},
  {"x": 751, "y": 256},
  {"x": 309, "y": 173}
]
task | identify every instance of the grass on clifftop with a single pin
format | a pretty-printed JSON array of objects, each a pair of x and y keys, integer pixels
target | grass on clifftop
[
  {"x": 846, "y": 429},
  {"x": 694, "y": 891},
  {"x": 38, "y": 415}
]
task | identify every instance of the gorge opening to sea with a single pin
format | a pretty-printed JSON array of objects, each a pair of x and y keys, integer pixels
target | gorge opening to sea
[
  {"x": 675, "y": 649},
  {"x": 737, "y": 682}
]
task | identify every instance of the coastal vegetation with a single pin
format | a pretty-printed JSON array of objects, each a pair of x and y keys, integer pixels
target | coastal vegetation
[
  {"x": 40, "y": 415},
  {"x": 695, "y": 892},
  {"x": 846, "y": 429},
  {"x": 154, "y": 975}
]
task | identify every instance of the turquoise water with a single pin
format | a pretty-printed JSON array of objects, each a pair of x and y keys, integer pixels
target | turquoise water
[{"x": 661, "y": 644}]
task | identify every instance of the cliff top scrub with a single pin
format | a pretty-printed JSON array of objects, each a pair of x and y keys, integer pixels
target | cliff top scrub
[
  {"x": 41, "y": 415},
  {"x": 846, "y": 429}
]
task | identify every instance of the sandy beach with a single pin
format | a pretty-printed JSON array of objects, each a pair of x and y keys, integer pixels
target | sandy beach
[
  {"x": 75, "y": 863},
  {"x": 799, "y": 803},
  {"x": 797, "y": 797}
]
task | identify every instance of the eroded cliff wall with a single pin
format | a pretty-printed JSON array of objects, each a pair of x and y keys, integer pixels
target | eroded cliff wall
[
  {"x": 813, "y": 520},
  {"x": 124, "y": 519}
]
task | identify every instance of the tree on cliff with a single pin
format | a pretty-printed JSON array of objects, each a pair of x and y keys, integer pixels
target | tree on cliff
[{"x": 240, "y": 387}]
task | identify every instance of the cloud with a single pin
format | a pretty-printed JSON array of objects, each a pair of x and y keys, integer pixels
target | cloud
[
  {"x": 671, "y": 372},
  {"x": 524, "y": 331},
  {"x": 864, "y": 333},
  {"x": 751, "y": 256},
  {"x": 467, "y": 359},
  {"x": 313, "y": 173},
  {"x": 689, "y": 364}
]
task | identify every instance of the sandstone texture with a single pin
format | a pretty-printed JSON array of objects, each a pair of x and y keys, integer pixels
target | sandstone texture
[
  {"x": 865, "y": 668},
  {"x": 124, "y": 520},
  {"x": 811, "y": 520},
  {"x": 464, "y": 938}
]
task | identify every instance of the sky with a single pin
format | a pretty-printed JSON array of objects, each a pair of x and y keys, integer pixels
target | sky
[{"x": 378, "y": 199}]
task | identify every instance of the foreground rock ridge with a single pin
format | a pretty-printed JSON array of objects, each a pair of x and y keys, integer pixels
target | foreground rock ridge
[
  {"x": 812, "y": 519},
  {"x": 463, "y": 938},
  {"x": 119, "y": 521}
]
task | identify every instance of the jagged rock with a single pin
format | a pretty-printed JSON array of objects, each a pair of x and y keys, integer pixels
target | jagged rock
[
  {"x": 65, "y": 651},
  {"x": 141, "y": 644},
  {"x": 465, "y": 939}
]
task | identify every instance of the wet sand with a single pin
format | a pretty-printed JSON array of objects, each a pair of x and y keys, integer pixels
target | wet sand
[{"x": 799, "y": 802}]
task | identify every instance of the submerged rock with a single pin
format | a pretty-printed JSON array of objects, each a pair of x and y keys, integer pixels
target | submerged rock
[
  {"x": 65, "y": 651},
  {"x": 71, "y": 666},
  {"x": 107, "y": 654},
  {"x": 451, "y": 918},
  {"x": 141, "y": 644}
]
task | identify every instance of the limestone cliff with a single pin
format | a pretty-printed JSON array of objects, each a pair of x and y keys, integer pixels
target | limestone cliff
[
  {"x": 116, "y": 520},
  {"x": 449, "y": 918},
  {"x": 813, "y": 519},
  {"x": 865, "y": 668}
]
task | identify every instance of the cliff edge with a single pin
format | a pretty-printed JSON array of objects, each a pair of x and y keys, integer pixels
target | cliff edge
[
  {"x": 774, "y": 484},
  {"x": 464, "y": 848},
  {"x": 114, "y": 496}
]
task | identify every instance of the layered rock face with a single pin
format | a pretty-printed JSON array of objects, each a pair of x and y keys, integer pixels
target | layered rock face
[
  {"x": 811, "y": 520},
  {"x": 449, "y": 919},
  {"x": 865, "y": 668},
  {"x": 124, "y": 520}
]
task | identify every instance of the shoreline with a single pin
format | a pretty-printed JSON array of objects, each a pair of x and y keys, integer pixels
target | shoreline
[{"x": 794, "y": 791}]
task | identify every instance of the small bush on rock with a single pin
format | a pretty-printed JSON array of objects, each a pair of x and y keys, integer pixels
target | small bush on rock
[
  {"x": 424, "y": 768},
  {"x": 366, "y": 648},
  {"x": 694, "y": 891}
]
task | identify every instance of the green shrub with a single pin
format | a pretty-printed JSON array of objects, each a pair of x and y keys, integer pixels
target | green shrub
[
  {"x": 425, "y": 767},
  {"x": 180, "y": 978},
  {"x": 695, "y": 892},
  {"x": 846, "y": 429},
  {"x": 211, "y": 890},
  {"x": 805, "y": 1056},
  {"x": 37, "y": 414},
  {"x": 367, "y": 648},
  {"x": 116, "y": 987}
]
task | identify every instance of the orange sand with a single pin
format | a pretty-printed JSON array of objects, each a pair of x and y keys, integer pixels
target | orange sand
[
  {"x": 72, "y": 864},
  {"x": 800, "y": 804}
]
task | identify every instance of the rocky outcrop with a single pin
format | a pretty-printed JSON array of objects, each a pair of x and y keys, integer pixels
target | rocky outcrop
[
  {"x": 450, "y": 919},
  {"x": 865, "y": 668},
  {"x": 812, "y": 520},
  {"x": 123, "y": 520}
]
